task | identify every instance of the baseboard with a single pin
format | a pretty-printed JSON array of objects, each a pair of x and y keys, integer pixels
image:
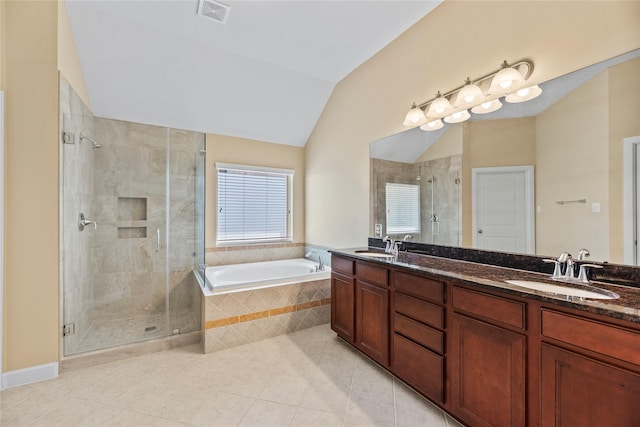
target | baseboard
[{"x": 29, "y": 375}]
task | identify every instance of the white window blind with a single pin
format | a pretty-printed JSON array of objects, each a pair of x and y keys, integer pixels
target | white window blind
[
  {"x": 403, "y": 208},
  {"x": 254, "y": 204}
]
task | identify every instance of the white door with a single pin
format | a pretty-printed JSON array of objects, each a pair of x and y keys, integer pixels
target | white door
[{"x": 503, "y": 209}]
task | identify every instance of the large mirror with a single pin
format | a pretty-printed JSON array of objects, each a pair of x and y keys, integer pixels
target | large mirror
[{"x": 569, "y": 156}]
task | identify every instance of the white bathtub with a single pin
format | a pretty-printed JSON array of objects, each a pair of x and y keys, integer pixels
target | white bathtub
[{"x": 242, "y": 277}]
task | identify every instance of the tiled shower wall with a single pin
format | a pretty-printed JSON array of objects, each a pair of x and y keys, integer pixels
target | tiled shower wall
[
  {"x": 136, "y": 237},
  {"x": 115, "y": 277},
  {"x": 444, "y": 174},
  {"x": 77, "y": 182}
]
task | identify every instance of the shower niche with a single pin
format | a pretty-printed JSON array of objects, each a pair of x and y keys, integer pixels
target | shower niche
[
  {"x": 130, "y": 279},
  {"x": 131, "y": 211}
]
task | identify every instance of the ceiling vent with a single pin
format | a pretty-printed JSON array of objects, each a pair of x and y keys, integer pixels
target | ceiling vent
[{"x": 214, "y": 10}]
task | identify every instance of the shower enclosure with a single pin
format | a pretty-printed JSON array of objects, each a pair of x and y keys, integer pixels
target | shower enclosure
[
  {"x": 132, "y": 229},
  {"x": 437, "y": 188}
]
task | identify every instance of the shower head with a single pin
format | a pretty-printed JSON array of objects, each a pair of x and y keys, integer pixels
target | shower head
[{"x": 94, "y": 144}]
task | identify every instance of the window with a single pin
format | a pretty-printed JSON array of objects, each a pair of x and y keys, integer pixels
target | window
[
  {"x": 254, "y": 204},
  {"x": 403, "y": 208}
]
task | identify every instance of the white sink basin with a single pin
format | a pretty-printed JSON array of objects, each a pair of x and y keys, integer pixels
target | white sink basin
[
  {"x": 593, "y": 293},
  {"x": 374, "y": 254}
]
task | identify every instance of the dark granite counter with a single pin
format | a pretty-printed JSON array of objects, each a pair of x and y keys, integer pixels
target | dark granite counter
[{"x": 491, "y": 277}]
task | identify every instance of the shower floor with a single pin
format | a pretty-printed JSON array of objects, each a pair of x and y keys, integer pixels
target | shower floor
[{"x": 130, "y": 329}]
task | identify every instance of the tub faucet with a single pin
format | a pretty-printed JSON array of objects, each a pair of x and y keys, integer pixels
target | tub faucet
[{"x": 320, "y": 266}]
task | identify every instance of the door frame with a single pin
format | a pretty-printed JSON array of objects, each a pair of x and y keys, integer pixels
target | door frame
[
  {"x": 529, "y": 200},
  {"x": 629, "y": 169},
  {"x": 1, "y": 230}
]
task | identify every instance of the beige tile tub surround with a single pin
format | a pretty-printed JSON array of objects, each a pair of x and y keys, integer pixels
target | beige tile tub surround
[
  {"x": 242, "y": 254},
  {"x": 248, "y": 316}
]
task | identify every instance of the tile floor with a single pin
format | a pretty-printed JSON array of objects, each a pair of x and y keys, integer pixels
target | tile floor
[{"x": 306, "y": 378}]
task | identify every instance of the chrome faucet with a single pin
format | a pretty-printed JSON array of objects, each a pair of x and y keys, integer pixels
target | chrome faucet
[
  {"x": 564, "y": 258},
  {"x": 320, "y": 266},
  {"x": 568, "y": 271},
  {"x": 390, "y": 243},
  {"x": 582, "y": 254},
  {"x": 396, "y": 249},
  {"x": 583, "y": 275}
]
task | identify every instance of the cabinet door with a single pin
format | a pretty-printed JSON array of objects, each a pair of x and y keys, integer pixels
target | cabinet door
[
  {"x": 342, "y": 308},
  {"x": 487, "y": 374},
  {"x": 579, "y": 391},
  {"x": 372, "y": 321}
]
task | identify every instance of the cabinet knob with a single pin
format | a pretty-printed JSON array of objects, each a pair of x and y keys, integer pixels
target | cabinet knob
[{"x": 480, "y": 231}]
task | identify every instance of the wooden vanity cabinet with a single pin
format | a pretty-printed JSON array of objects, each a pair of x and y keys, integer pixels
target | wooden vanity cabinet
[
  {"x": 360, "y": 306},
  {"x": 342, "y": 297},
  {"x": 590, "y": 372},
  {"x": 417, "y": 341},
  {"x": 372, "y": 311},
  {"x": 487, "y": 359}
]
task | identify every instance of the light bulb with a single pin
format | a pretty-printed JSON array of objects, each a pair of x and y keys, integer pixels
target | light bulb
[
  {"x": 524, "y": 94},
  {"x": 432, "y": 125},
  {"x": 439, "y": 106},
  {"x": 505, "y": 79},
  {"x": 414, "y": 117},
  {"x": 457, "y": 117},
  {"x": 487, "y": 107},
  {"x": 469, "y": 94}
]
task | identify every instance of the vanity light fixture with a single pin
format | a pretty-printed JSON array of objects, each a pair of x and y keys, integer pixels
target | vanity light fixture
[{"x": 480, "y": 95}]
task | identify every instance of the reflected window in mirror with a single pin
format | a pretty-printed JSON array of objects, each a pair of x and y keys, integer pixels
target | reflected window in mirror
[{"x": 403, "y": 208}]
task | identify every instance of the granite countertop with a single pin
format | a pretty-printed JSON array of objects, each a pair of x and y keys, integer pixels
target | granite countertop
[{"x": 490, "y": 277}]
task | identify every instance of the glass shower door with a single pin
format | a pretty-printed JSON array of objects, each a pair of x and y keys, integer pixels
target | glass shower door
[{"x": 129, "y": 278}]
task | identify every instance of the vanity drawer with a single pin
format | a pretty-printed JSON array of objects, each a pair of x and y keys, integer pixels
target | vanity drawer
[
  {"x": 416, "y": 331},
  {"x": 610, "y": 340},
  {"x": 372, "y": 274},
  {"x": 342, "y": 265},
  {"x": 418, "y": 367},
  {"x": 417, "y": 309},
  {"x": 489, "y": 307},
  {"x": 421, "y": 287}
]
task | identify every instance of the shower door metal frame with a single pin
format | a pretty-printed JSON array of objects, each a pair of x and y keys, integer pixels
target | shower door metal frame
[{"x": 630, "y": 196}]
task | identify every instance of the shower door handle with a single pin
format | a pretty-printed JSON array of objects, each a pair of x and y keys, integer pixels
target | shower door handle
[{"x": 157, "y": 240}]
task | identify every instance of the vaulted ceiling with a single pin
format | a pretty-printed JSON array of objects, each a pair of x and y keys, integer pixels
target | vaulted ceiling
[{"x": 265, "y": 74}]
